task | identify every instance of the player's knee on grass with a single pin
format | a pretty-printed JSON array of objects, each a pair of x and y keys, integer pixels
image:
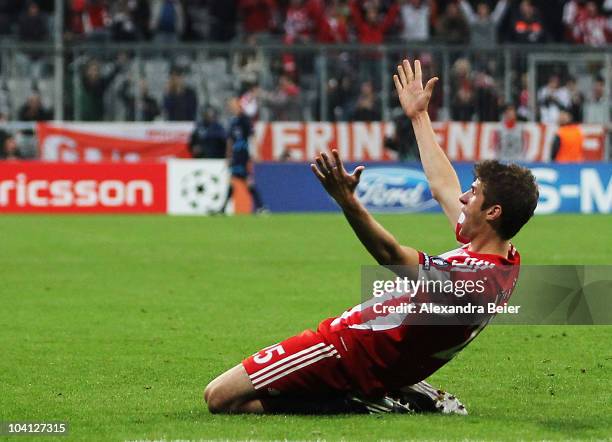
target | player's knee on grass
[
  {"x": 230, "y": 391},
  {"x": 216, "y": 400}
]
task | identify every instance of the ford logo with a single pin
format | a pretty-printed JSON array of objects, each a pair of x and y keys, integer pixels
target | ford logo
[{"x": 395, "y": 189}]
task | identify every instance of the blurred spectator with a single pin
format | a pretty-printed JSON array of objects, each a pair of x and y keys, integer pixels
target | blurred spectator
[
  {"x": 208, "y": 139},
  {"x": 33, "y": 109},
  {"x": 510, "y": 140},
  {"x": 180, "y": 100},
  {"x": 93, "y": 87},
  {"x": 552, "y": 99},
  {"x": 249, "y": 101},
  {"x": 551, "y": 13},
  {"x": 32, "y": 28},
  {"x": 463, "y": 103},
  {"x": 597, "y": 110},
  {"x": 372, "y": 26},
  {"x": 197, "y": 20},
  {"x": 33, "y": 24},
  {"x": 371, "y": 29},
  {"x": 258, "y": 17},
  {"x": 90, "y": 19},
  {"x": 416, "y": 16},
  {"x": 141, "y": 16},
  {"x": 223, "y": 19},
  {"x": 571, "y": 10},
  {"x": 367, "y": 106},
  {"x": 607, "y": 9},
  {"x": 332, "y": 23},
  {"x": 483, "y": 23},
  {"x": 10, "y": 149},
  {"x": 524, "y": 112},
  {"x": 430, "y": 70},
  {"x": 149, "y": 107},
  {"x": 333, "y": 111},
  {"x": 284, "y": 101},
  {"x": 339, "y": 96},
  {"x": 167, "y": 22},
  {"x": 576, "y": 100},
  {"x": 452, "y": 27},
  {"x": 527, "y": 27},
  {"x": 403, "y": 140},
  {"x": 9, "y": 10},
  {"x": 3, "y": 133},
  {"x": 5, "y": 101},
  {"x": 123, "y": 19},
  {"x": 248, "y": 64},
  {"x": 487, "y": 98},
  {"x": 299, "y": 23},
  {"x": 567, "y": 144},
  {"x": 591, "y": 27}
]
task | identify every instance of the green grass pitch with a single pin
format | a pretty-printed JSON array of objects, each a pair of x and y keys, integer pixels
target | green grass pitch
[{"x": 116, "y": 323}]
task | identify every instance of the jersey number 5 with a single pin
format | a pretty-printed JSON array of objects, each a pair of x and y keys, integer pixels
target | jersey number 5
[{"x": 268, "y": 353}]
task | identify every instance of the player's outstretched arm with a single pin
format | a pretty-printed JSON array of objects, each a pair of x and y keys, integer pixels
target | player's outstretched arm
[
  {"x": 443, "y": 180},
  {"x": 341, "y": 187}
]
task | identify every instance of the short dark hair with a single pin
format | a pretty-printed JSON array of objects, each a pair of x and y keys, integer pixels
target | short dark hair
[{"x": 511, "y": 186}]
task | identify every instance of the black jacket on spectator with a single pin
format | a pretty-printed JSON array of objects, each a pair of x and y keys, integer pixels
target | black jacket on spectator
[
  {"x": 223, "y": 15},
  {"x": 150, "y": 108},
  {"x": 32, "y": 28},
  {"x": 39, "y": 114},
  {"x": 92, "y": 94},
  {"x": 487, "y": 104},
  {"x": 208, "y": 140},
  {"x": 365, "y": 114},
  {"x": 182, "y": 105},
  {"x": 3, "y": 137}
]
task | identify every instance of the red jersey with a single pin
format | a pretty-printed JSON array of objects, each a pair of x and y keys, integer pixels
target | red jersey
[{"x": 384, "y": 350}]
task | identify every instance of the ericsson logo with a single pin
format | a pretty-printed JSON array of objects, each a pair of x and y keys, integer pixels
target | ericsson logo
[
  {"x": 23, "y": 192},
  {"x": 395, "y": 189},
  {"x": 202, "y": 191}
]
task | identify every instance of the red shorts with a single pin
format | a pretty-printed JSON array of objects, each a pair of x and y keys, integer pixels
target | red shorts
[{"x": 305, "y": 364}]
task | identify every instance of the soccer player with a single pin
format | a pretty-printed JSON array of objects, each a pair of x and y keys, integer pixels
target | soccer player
[
  {"x": 362, "y": 361},
  {"x": 239, "y": 132}
]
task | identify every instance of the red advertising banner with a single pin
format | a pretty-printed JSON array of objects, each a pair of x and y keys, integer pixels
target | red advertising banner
[
  {"x": 293, "y": 141},
  {"x": 297, "y": 141},
  {"x": 39, "y": 187},
  {"x": 117, "y": 142}
]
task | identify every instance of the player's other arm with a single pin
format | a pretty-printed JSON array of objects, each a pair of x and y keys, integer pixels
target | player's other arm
[
  {"x": 443, "y": 180},
  {"x": 341, "y": 186}
]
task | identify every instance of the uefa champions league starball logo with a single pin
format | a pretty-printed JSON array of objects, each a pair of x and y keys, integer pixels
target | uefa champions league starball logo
[{"x": 202, "y": 191}]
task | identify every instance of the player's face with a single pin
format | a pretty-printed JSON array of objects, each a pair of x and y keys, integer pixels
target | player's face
[{"x": 474, "y": 216}]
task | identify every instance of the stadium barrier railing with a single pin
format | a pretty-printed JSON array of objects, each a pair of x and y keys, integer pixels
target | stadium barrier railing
[{"x": 324, "y": 75}]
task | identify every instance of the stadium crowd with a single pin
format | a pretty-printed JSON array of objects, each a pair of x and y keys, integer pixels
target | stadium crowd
[
  {"x": 474, "y": 92},
  {"x": 479, "y": 22}
]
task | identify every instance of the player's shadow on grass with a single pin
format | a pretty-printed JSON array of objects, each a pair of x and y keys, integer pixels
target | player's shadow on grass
[{"x": 203, "y": 413}]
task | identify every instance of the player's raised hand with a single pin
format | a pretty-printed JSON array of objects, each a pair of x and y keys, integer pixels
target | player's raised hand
[
  {"x": 335, "y": 179},
  {"x": 409, "y": 85}
]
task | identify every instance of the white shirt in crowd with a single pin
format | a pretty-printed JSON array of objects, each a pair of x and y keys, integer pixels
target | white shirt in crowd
[{"x": 415, "y": 21}]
